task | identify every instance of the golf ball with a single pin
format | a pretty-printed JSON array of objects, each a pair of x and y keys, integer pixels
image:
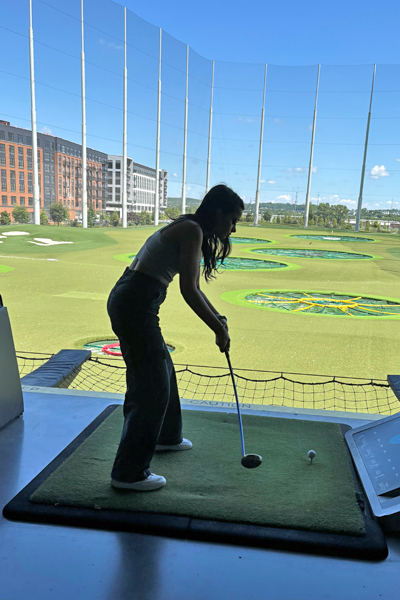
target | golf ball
[{"x": 311, "y": 454}]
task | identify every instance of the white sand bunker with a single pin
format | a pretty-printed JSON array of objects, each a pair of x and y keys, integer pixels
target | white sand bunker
[
  {"x": 47, "y": 242},
  {"x": 14, "y": 233}
]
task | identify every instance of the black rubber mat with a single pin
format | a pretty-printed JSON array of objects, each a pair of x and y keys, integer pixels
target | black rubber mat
[{"x": 371, "y": 546}]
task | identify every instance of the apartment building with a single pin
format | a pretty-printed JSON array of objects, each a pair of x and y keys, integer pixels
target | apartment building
[
  {"x": 59, "y": 169},
  {"x": 141, "y": 184}
]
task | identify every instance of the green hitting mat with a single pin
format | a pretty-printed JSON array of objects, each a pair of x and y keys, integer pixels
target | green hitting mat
[{"x": 286, "y": 503}]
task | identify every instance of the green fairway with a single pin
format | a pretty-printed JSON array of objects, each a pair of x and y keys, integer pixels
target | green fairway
[{"x": 56, "y": 297}]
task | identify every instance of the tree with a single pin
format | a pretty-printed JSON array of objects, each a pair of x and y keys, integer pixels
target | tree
[
  {"x": 5, "y": 218},
  {"x": 278, "y": 219},
  {"x": 20, "y": 215},
  {"x": 267, "y": 216},
  {"x": 249, "y": 217},
  {"x": 114, "y": 219},
  {"x": 91, "y": 215},
  {"x": 367, "y": 227},
  {"x": 43, "y": 218},
  {"x": 172, "y": 213},
  {"x": 58, "y": 212},
  {"x": 376, "y": 224},
  {"x": 334, "y": 224},
  {"x": 133, "y": 218},
  {"x": 145, "y": 218}
]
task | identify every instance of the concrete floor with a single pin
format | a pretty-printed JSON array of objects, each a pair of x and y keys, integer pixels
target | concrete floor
[{"x": 41, "y": 562}]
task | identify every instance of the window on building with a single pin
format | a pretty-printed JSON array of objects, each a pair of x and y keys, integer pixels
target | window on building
[
  {"x": 118, "y": 164},
  {"x": 21, "y": 158},
  {"x": 47, "y": 168},
  {"x": 29, "y": 158},
  {"x": 10, "y": 136},
  {"x": 20, "y": 139},
  {"x": 3, "y": 180},
  {"x": 38, "y": 141},
  {"x": 63, "y": 149},
  {"x": 12, "y": 181},
  {"x": 30, "y": 183},
  {"x": 11, "y": 156},
  {"x": 2, "y": 135},
  {"x": 22, "y": 200},
  {"x": 46, "y": 156},
  {"x": 46, "y": 144},
  {"x": 47, "y": 191},
  {"x": 52, "y": 145},
  {"x": 28, "y": 139},
  {"x": 2, "y": 155},
  {"x": 13, "y": 200},
  {"x": 30, "y": 201},
  {"x": 4, "y": 200},
  {"x": 21, "y": 181},
  {"x": 47, "y": 178}
]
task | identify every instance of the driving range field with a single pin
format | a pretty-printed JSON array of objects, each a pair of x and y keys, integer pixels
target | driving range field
[{"x": 299, "y": 309}]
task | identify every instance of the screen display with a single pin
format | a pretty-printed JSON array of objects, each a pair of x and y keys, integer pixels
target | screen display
[{"x": 379, "y": 449}]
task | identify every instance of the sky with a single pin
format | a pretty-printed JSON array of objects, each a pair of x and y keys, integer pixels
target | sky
[{"x": 292, "y": 38}]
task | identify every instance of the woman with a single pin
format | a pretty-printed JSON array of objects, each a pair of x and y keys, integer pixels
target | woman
[{"x": 152, "y": 411}]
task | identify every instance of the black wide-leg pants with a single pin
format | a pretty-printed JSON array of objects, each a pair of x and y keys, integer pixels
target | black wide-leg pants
[{"x": 152, "y": 410}]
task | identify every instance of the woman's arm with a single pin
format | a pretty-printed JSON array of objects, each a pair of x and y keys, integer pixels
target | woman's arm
[{"x": 190, "y": 255}]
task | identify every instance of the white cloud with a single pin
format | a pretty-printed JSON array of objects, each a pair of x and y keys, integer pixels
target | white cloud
[
  {"x": 246, "y": 119},
  {"x": 377, "y": 172},
  {"x": 314, "y": 169},
  {"x": 284, "y": 197},
  {"x": 262, "y": 180},
  {"x": 46, "y": 130},
  {"x": 110, "y": 44},
  {"x": 349, "y": 202},
  {"x": 276, "y": 120},
  {"x": 398, "y": 159},
  {"x": 298, "y": 169},
  {"x": 174, "y": 175},
  {"x": 271, "y": 181}
]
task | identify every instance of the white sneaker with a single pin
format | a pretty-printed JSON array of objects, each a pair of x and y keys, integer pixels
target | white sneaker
[
  {"x": 152, "y": 482},
  {"x": 184, "y": 445}
]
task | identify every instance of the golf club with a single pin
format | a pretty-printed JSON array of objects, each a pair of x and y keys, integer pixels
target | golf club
[{"x": 250, "y": 461}]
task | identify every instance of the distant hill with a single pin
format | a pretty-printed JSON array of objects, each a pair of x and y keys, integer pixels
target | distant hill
[{"x": 177, "y": 202}]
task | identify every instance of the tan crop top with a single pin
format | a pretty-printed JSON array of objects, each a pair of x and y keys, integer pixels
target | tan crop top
[{"x": 159, "y": 257}]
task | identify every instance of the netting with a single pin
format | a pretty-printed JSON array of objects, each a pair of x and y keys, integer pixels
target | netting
[
  {"x": 212, "y": 386},
  {"x": 333, "y": 238},
  {"x": 305, "y": 253},
  {"x": 244, "y": 240},
  {"x": 326, "y": 304},
  {"x": 29, "y": 361}
]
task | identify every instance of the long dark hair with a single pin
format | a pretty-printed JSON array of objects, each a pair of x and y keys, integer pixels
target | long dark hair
[{"x": 214, "y": 251}]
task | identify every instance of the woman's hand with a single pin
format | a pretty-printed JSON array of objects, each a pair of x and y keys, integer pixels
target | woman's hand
[{"x": 222, "y": 339}]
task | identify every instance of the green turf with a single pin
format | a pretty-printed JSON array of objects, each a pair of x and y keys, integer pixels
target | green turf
[
  {"x": 5, "y": 269},
  {"x": 209, "y": 482},
  {"x": 46, "y": 316}
]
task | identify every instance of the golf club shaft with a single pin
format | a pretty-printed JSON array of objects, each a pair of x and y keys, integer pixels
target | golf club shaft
[{"x": 237, "y": 401}]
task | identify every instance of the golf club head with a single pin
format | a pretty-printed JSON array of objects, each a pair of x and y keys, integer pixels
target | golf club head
[{"x": 251, "y": 461}]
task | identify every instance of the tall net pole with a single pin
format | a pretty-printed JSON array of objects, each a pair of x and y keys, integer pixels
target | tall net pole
[
  {"x": 157, "y": 192},
  {"x": 124, "y": 136},
  {"x": 210, "y": 131},
  {"x": 260, "y": 152},
  {"x": 36, "y": 194},
  {"x": 185, "y": 135},
  {"x": 83, "y": 94},
  {"x": 360, "y": 197},
  {"x": 310, "y": 166}
]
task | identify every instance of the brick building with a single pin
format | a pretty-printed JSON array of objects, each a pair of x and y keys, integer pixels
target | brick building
[{"x": 59, "y": 169}]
